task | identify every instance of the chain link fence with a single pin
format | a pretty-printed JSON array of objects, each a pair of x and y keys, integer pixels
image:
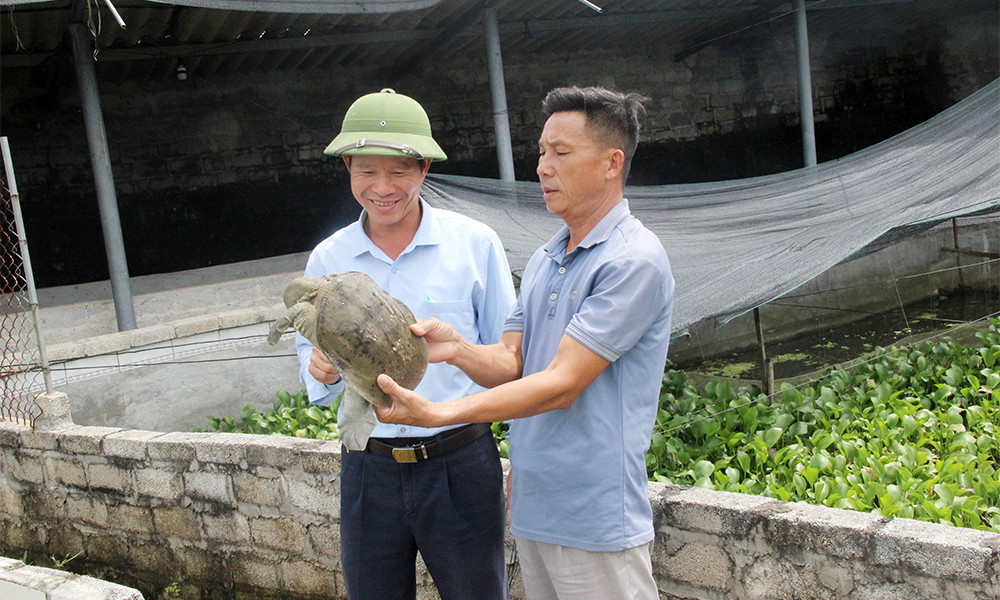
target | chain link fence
[{"x": 23, "y": 368}]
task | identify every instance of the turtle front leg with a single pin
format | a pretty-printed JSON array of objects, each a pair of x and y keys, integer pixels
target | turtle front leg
[
  {"x": 301, "y": 316},
  {"x": 357, "y": 421}
]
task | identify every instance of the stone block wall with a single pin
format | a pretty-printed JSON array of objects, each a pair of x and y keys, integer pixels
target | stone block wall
[
  {"x": 244, "y": 516},
  {"x": 713, "y": 545}
]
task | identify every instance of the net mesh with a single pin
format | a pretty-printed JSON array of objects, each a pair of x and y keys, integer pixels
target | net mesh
[
  {"x": 20, "y": 371},
  {"x": 736, "y": 245}
]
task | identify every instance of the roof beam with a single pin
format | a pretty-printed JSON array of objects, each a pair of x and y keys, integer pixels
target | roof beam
[
  {"x": 460, "y": 28},
  {"x": 268, "y": 45}
]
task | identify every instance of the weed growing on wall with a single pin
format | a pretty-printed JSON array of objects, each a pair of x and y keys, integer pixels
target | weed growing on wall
[{"x": 912, "y": 432}]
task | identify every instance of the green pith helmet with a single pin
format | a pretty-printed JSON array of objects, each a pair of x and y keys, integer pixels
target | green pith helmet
[{"x": 386, "y": 124}]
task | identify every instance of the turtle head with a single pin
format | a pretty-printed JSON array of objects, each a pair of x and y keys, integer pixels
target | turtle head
[{"x": 302, "y": 289}]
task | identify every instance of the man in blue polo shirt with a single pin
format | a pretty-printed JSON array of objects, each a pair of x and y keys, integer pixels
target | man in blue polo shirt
[
  {"x": 447, "y": 500},
  {"x": 579, "y": 366}
]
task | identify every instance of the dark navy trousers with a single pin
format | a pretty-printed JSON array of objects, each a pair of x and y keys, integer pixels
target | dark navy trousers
[{"x": 450, "y": 508}]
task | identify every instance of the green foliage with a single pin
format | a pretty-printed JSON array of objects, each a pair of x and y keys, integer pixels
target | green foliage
[
  {"x": 290, "y": 415},
  {"x": 295, "y": 416},
  {"x": 911, "y": 433},
  {"x": 61, "y": 563},
  {"x": 500, "y": 437}
]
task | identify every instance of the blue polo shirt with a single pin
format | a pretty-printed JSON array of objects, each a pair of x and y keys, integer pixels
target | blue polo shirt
[
  {"x": 455, "y": 269},
  {"x": 580, "y": 472}
]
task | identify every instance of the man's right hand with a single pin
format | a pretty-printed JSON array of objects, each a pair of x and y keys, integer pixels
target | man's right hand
[
  {"x": 442, "y": 340},
  {"x": 322, "y": 369}
]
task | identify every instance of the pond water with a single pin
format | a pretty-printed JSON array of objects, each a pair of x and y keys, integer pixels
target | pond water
[{"x": 825, "y": 347}]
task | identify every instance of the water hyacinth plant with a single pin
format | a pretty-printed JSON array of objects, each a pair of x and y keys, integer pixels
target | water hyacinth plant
[
  {"x": 908, "y": 432},
  {"x": 912, "y": 432}
]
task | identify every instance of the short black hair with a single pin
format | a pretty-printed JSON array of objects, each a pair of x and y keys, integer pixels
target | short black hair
[{"x": 613, "y": 118}]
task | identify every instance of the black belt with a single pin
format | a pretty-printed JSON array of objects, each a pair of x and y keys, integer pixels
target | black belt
[{"x": 418, "y": 450}]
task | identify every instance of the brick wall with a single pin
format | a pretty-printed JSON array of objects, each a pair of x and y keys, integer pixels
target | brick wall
[{"x": 245, "y": 516}]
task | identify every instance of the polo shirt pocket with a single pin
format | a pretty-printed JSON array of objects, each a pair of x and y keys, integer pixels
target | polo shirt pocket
[{"x": 457, "y": 313}]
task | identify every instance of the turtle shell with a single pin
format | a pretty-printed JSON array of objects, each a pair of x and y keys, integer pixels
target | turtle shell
[{"x": 364, "y": 332}]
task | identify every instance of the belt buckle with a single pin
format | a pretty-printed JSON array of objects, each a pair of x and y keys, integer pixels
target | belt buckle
[{"x": 410, "y": 454}]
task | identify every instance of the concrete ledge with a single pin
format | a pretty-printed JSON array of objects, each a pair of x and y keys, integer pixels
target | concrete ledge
[
  {"x": 136, "y": 339},
  {"x": 22, "y": 582}
]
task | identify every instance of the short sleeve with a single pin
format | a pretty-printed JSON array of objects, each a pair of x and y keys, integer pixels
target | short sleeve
[{"x": 628, "y": 296}]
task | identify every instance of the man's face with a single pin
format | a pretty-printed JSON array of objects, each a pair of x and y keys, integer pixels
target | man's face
[
  {"x": 572, "y": 166},
  {"x": 387, "y": 187}
]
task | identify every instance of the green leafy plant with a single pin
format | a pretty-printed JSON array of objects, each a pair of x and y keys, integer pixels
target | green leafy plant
[
  {"x": 290, "y": 415},
  {"x": 500, "y": 437},
  {"x": 911, "y": 433},
  {"x": 293, "y": 415},
  {"x": 172, "y": 591}
]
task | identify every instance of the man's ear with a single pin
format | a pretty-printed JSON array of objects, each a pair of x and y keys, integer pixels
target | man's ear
[
  {"x": 616, "y": 162},
  {"x": 425, "y": 165},
  {"x": 347, "y": 161}
]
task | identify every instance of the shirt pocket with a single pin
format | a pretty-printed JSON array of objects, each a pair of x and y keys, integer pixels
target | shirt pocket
[{"x": 457, "y": 313}]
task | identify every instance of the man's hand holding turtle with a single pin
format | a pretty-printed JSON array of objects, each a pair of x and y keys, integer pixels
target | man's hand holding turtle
[
  {"x": 408, "y": 407},
  {"x": 322, "y": 369},
  {"x": 443, "y": 342}
]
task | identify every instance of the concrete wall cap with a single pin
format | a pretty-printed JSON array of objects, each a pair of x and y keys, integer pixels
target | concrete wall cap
[
  {"x": 145, "y": 336},
  {"x": 106, "y": 344},
  {"x": 195, "y": 325}
]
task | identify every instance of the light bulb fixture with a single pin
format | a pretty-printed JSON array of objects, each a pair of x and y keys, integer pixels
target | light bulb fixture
[{"x": 182, "y": 73}]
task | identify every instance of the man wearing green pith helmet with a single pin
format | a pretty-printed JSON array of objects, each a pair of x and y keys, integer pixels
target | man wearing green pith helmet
[{"x": 433, "y": 490}]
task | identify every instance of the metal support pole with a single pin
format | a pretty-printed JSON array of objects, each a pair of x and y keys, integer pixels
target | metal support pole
[
  {"x": 805, "y": 85},
  {"x": 958, "y": 255},
  {"x": 29, "y": 277},
  {"x": 114, "y": 244},
  {"x": 765, "y": 378},
  {"x": 494, "y": 63}
]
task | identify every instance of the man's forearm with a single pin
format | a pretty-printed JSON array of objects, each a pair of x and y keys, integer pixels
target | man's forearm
[{"x": 492, "y": 365}]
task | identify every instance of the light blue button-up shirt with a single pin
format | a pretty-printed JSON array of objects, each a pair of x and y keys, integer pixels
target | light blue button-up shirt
[
  {"x": 455, "y": 269},
  {"x": 581, "y": 471}
]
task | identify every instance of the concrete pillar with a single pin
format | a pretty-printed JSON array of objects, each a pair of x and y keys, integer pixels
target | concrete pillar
[
  {"x": 805, "y": 84},
  {"x": 501, "y": 125},
  {"x": 107, "y": 200}
]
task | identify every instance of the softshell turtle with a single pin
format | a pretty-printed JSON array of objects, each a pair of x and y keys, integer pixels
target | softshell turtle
[{"x": 363, "y": 331}]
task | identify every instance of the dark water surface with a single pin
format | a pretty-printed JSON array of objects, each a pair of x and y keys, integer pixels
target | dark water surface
[{"x": 817, "y": 350}]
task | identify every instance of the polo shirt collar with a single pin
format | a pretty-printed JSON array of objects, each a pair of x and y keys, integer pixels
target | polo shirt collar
[
  {"x": 557, "y": 245},
  {"x": 428, "y": 233}
]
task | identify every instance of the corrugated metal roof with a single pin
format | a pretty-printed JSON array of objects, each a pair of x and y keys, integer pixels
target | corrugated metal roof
[{"x": 218, "y": 41}]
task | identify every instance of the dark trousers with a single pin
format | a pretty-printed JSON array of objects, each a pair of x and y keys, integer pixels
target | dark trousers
[{"x": 450, "y": 508}]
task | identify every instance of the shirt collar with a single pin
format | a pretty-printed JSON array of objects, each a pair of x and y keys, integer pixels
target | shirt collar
[
  {"x": 556, "y": 247},
  {"x": 428, "y": 233}
]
